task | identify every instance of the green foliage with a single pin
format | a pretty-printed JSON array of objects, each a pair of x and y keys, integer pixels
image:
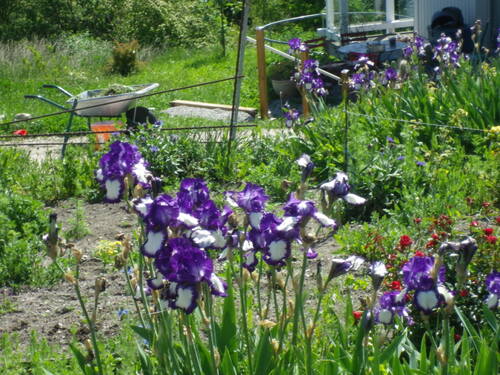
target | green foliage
[
  {"x": 124, "y": 58},
  {"x": 77, "y": 226}
]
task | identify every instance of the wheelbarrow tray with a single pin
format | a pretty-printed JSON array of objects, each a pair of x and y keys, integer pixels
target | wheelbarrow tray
[{"x": 110, "y": 105}]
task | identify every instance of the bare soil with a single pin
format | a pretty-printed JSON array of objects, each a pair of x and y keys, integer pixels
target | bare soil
[{"x": 55, "y": 314}]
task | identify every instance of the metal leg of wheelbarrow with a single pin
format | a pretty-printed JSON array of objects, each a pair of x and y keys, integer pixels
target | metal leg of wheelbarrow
[{"x": 68, "y": 128}]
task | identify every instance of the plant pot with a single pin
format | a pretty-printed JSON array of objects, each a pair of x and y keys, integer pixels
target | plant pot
[{"x": 285, "y": 88}]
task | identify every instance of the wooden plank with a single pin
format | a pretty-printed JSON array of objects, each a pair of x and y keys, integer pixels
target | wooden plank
[{"x": 226, "y": 107}]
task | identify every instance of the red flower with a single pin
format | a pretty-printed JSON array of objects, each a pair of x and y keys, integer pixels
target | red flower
[
  {"x": 430, "y": 244},
  {"x": 498, "y": 220},
  {"x": 435, "y": 236},
  {"x": 405, "y": 241},
  {"x": 457, "y": 337},
  {"x": 357, "y": 314},
  {"x": 474, "y": 223},
  {"x": 463, "y": 293},
  {"x": 488, "y": 231},
  {"x": 20, "y": 132},
  {"x": 419, "y": 254},
  {"x": 491, "y": 239},
  {"x": 417, "y": 220},
  {"x": 469, "y": 201},
  {"x": 486, "y": 204},
  {"x": 396, "y": 285}
]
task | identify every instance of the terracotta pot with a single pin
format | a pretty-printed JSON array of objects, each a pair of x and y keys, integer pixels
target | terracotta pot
[{"x": 285, "y": 88}]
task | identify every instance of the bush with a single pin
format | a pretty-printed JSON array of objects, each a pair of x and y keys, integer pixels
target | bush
[{"x": 124, "y": 58}]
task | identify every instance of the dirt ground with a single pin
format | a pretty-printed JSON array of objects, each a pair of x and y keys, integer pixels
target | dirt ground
[{"x": 55, "y": 314}]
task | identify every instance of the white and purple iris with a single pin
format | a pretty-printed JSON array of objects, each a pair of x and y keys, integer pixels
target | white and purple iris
[
  {"x": 493, "y": 287},
  {"x": 296, "y": 45},
  {"x": 339, "y": 188},
  {"x": 122, "y": 160},
  {"x": 391, "y": 304},
  {"x": 419, "y": 275},
  {"x": 178, "y": 232}
]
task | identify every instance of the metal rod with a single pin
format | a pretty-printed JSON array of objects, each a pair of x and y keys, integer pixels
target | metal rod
[{"x": 345, "y": 98}]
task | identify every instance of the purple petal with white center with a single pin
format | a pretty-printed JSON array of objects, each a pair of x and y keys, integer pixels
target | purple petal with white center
[
  {"x": 156, "y": 283},
  {"x": 311, "y": 253},
  {"x": 140, "y": 172},
  {"x": 384, "y": 316},
  {"x": 354, "y": 199},
  {"x": 155, "y": 240},
  {"x": 186, "y": 298},
  {"x": 114, "y": 190},
  {"x": 324, "y": 220},
  {"x": 426, "y": 300},
  {"x": 416, "y": 272},
  {"x": 202, "y": 238},
  {"x": 296, "y": 207},
  {"x": 250, "y": 260},
  {"x": 193, "y": 192},
  {"x": 277, "y": 252},
  {"x": 254, "y": 218},
  {"x": 493, "y": 283},
  {"x": 257, "y": 238},
  {"x": 142, "y": 205},
  {"x": 188, "y": 220},
  {"x": 220, "y": 239},
  {"x": 288, "y": 224},
  {"x": 218, "y": 286},
  {"x": 492, "y": 301}
]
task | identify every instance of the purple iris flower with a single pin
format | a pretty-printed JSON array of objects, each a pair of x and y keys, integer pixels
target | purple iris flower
[
  {"x": 252, "y": 198},
  {"x": 389, "y": 139},
  {"x": 377, "y": 273},
  {"x": 493, "y": 287},
  {"x": 163, "y": 212},
  {"x": 498, "y": 40},
  {"x": 188, "y": 264},
  {"x": 291, "y": 116},
  {"x": 296, "y": 44},
  {"x": 341, "y": 266},
  {"x": 307, "y": 166},
  {"x": 193, "y": 192},
  {"x": 420, "y": 163},
  {"x": 391, "y": 75},
  {"x": 363, "y": 61},
  {"x": 298, "y": 208},
  {"x": 339, "y": 188},
  {"x": 122, "y": 159},
  {"x": 390, "y": 304},
  {"x": 416, "y": 273},
  {"x": 407, "y": 51}
]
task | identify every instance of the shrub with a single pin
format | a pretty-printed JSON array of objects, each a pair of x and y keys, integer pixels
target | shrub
[{"x": 124, "y": 58}]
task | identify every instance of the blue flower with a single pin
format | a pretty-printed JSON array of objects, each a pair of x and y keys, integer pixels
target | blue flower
[{"x": 420, "y": 163}]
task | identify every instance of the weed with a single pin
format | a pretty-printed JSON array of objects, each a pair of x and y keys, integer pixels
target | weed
[{"x": 77, "y": 225}]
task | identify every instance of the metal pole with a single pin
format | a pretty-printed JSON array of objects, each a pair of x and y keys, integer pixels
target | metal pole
[
  {"x": 389, "y": 16},
  {"x": 345, "y": 97},
  {"x": 344, "y": 17},
  {"x": 237, "y": 82},
  {"x": 261, "y": 67},
  {"x": 68, "y": 127},
  {"x": 239, "y": 67}
]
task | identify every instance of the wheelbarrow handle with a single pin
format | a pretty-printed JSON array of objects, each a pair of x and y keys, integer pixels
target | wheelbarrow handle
[
  {"x": 39, "y": 97},
  {"x": 65, "y": 92}
]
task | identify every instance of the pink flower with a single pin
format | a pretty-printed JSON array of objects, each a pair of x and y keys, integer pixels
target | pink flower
[{"x": 474, "y": 224}]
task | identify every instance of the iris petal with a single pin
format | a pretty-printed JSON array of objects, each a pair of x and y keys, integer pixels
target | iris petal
[{"x": 154, "y": 243}]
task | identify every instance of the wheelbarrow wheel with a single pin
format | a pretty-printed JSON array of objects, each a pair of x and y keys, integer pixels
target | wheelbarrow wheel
[{"x": 139, "y": 116}]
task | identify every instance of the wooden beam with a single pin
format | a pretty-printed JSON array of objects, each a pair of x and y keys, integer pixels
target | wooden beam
[{"x": 226, "y": 107}]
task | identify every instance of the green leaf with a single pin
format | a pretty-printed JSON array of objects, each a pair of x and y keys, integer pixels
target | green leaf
[
  {"x": 46, "y": 372},
  {"x": 486, "y": 361},
  {"x": 391, "y": 348},
  {"x": 146, "y": 365},
  {"x": 263, "y": 354},
  {"x": 490, "y": 318},
  {"x": 473, "y": 334},
  {"x": 227, "y": 365},
  {"x": 228, "y": 329},
  {"x": 82, "y": 361},
  {"x": 145, "y": 333}
]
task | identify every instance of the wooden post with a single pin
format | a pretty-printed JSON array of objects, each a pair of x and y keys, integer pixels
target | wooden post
[
  {"x": 261, "y": 67},
  {"x": 303, "y": 92}
]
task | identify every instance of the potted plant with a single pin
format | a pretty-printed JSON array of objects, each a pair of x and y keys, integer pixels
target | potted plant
[{"x": 280, "y": 74}]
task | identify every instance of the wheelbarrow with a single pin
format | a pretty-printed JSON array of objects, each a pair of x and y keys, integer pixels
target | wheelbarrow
[{"x": 100, "y": 103}]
